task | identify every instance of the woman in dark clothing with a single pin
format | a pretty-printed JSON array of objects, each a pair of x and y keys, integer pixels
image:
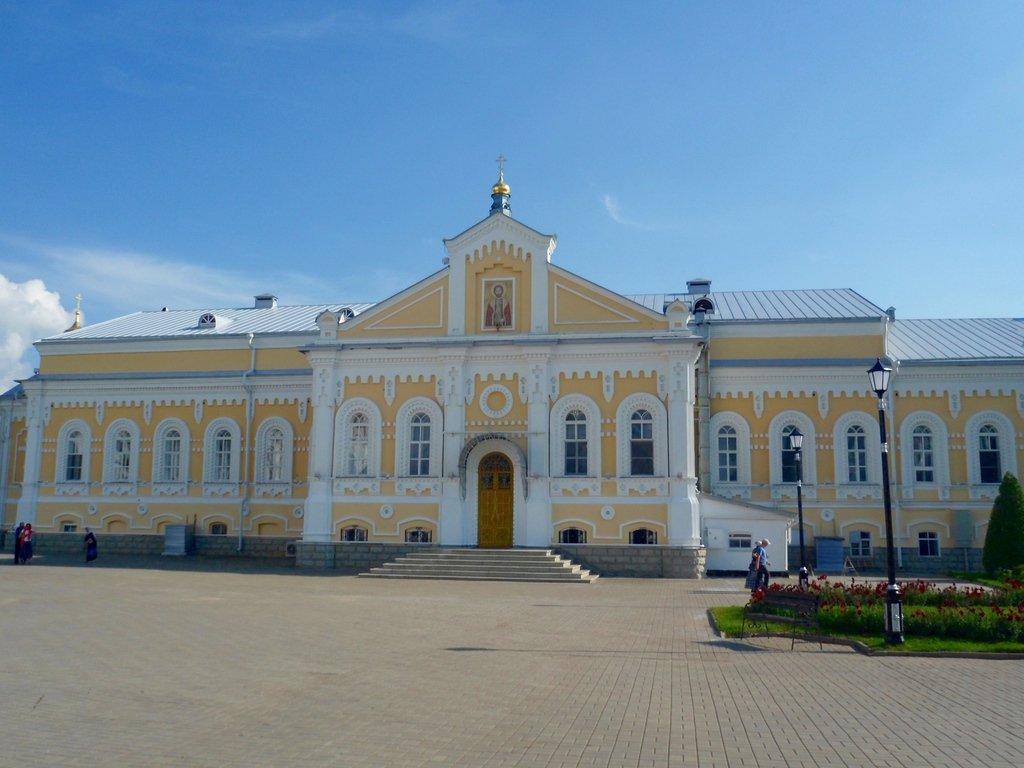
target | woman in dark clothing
[
  {"x": 25, "y": 548},
  {"x": 90, "y": 545}
]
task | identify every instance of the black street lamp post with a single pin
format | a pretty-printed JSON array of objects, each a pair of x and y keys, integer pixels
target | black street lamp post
[
  {"x": 879, "y": 377},
  {"x": 796, "y": 440}
]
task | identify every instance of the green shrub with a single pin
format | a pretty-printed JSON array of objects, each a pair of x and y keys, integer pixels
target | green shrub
[{"x": 1003, "y": 540}]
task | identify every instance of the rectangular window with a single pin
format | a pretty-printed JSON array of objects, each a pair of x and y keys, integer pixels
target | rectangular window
[
  {"x": 728, "y": 457},
  {"x": 69, "y": 528},
  {"x": 419, "y": 447},
  {"x": 860, "y": 544},
  {"x": 856, "y": 456},
  {"x": 924, "y": 461},
  {"x": 171, "y": 469},
  {"x": 222, "y": 458},
  {"x": 928, "y": 544},
  {"x": 73, "y": 470},
  {"x": 575, "y": 447},
  {"x": 740, "y": 541}
]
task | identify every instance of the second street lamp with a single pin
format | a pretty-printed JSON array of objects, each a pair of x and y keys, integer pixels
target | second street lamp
[
  {"x": 796, "y": 440},
  {"x": 879, "y": 377}
]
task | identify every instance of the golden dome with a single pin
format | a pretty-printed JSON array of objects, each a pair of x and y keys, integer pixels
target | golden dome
[{"x": 501, "y": 188}]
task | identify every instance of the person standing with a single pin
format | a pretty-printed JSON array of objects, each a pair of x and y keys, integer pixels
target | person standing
[
  {"x": 763, "y": 574},
  {"x": 17, "y": 542},
  {"x": 26, "y": 544},
  {"x": 90, "y": 546}
]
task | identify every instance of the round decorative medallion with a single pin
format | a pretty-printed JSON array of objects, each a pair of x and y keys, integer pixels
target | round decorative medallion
[
  {"x": 607, "y": 513},
  {"x": 143, "y": 509},
  {"x": 493, "y": 395},
  {"x": 297, "y": 512},
  {"x": 386, "y": 511},
  {"x": 92, "y": 509}
]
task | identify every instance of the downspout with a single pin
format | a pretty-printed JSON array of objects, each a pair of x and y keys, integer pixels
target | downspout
[
  {"x": 704, "y": 410},
  {"x": 244, "y": 508}
]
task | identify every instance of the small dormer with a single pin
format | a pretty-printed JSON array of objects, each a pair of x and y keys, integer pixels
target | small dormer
[
  {"x": 678, "y": 314},
  {"x": 327, "y": 322},
  {"x": 266, "y": 301},
  {"x": 207, "y": 320}
]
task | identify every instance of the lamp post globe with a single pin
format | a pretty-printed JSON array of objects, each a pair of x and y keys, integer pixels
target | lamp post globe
[{"x": 879, "y": 375}]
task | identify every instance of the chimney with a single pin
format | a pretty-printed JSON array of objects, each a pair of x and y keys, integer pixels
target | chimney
[
  {"x": 699, "y": 286},
  {"x": 266, "y": 301}
]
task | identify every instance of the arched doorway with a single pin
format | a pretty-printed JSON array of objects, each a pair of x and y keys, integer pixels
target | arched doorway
[{"x": 494, "y": 501}]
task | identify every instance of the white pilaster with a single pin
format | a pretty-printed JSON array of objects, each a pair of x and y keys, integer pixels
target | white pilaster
[
  {"x": 29, "y": 498},
  {"x": 316, "y": 523}
]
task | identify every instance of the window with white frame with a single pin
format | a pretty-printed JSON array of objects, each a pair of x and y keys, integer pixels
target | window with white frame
[
  {"x": 925, "y": 453},
  {"x": 121, "y": 454},
  {"x": 923, "y": 447},
  {"x": 728, "y": 455},
  {"x": 74, "y": 456},
  {"x": 170, "y": 453},
  {"x": 989, "y": 459},
  {"x": 353, "y": 533},
  {"x": 741, "y": 541},
  {"x": 641, "y": 443},
  {"x": 860, "y": 544},
  {"x": 790, "y": 472},
  {"x": 358, "y": 439},
  {"x": 222, "y": 448},
  {"x": 991, "y": 452},
  {"x": 928, "y": 544},
  {"x": 643, "y": 536},
  {"x": 575, "y": 443},
  {"x": 273, "y": 454},
  {"x": 572, "y": 536},
  {"x": 856, "y": 454},
  {"x": 418, "y": 536},
  {"x": 418, "y": 438},
  {"x": 575, "y": 437}
]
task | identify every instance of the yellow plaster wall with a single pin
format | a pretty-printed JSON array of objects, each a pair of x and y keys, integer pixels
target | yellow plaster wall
[
  {"x": 798, "y": 348},
  {"x": 172, "y": 362},
  {"x": 499, "y": 260}
]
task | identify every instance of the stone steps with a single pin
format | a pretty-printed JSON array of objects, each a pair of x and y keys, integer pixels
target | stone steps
[{"x": 540, "y": 565}]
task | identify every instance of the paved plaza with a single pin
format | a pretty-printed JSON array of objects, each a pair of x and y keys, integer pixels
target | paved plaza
[{"x": 157, "y": 666}]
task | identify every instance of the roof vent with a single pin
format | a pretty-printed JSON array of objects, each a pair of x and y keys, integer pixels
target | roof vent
[
  {"x": 698, "y": 286},
  {"x": 266, "y": 301},
  {"x": 704, "y": 305},
  {"x": 207, "y": 320},
  {"x": 346, "y": 313},
  {"x": 891, "y": 312}
]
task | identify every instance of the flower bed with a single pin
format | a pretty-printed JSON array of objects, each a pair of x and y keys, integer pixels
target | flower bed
[{"x": 965, "y": 612}]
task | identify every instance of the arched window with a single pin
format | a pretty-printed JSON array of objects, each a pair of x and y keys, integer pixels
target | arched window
[
  {"x": 170, "y": 448},
  {"x": 789, "y": 468},
  {"x": 992, "y": 452},
  {"x": 273, "y": 457},
  {"x": 223, "y": 446},
  {"x": 643, "y": 536},
  {"x": 989, "y": 461},
  {"x": 418, "y": 432},
  {"x": 357, "y": 458},
  {"x": 575, "y": 424},
  {"x": 121, "y": 456},
  {"x": 170, "y": 457},
  {"x": 923, "y": 447},
  {"x": 728, "y": 455},
  {"x": 218, "y": 529},
  {"x": 74, "y": 456},
  {"x": 575, "y": 443},
  {"x": 856, "y": 455},
  {"x": 641, "y": 443},
  {"x": 73, "y": 453},
  {"x": 419, "y": 445},
  {"x": 572, "y": 536}
]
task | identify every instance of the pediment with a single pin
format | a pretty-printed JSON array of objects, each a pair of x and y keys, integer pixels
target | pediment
[
  {"x": 420, "y": 310},
  {"x": 577, "y": 305}
]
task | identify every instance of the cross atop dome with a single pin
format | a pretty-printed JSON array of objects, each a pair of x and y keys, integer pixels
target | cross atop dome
[{"x": 500, "y": 192}]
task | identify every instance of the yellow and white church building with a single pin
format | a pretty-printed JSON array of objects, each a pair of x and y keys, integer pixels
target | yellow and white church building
[{"x": 506, "y": 402}]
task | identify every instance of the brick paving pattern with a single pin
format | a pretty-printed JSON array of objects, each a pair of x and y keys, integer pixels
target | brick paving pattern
[{"x": 166, "y": 666}]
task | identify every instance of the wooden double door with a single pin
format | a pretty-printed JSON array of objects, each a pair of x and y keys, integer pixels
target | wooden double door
[{"x": 494, "y": 502}]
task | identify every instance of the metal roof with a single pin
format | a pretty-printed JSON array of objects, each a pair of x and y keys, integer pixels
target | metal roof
[
  {"x": 229, "y": 322},
  {"x": 808, "y": 304},
  {"x": 957, "y": 339}
]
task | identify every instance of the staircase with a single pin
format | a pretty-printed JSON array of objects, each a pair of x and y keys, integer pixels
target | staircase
[{"x": 484, "y": 565}]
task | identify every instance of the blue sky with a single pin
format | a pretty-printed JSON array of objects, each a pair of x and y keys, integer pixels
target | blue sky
[{"x": 194, "y": 154}]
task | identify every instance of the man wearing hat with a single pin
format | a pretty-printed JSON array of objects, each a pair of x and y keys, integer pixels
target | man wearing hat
[{"x": 762, "y": 564}]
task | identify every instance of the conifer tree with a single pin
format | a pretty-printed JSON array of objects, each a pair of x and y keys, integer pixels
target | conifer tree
[{"x": 1004, "y": 541}]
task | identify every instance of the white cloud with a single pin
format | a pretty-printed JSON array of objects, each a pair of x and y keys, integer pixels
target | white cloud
[{"x": 28, "y": 311}]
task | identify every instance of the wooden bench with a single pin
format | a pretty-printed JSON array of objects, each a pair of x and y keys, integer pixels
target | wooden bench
[{"x": 798, "y": 609}]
